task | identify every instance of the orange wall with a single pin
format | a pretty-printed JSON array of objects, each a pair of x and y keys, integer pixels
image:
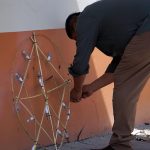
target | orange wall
[{"x": 93, "y": 115}]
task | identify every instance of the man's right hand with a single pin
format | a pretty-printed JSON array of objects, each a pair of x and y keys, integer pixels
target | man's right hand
[
  {"x": 102, "y": 81},
  {"x": 87, "y": 91}
]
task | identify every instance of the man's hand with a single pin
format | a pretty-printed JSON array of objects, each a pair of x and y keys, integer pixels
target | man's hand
[
  {"x": 75, "y": 95},
  {"x": 76, "y": 92},
  {"x": 102, "y": 81},
  {"x": 87, "y": 91}
]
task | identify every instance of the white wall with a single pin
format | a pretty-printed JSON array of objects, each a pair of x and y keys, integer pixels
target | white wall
[
  {"x": 83, "y": 3},
  {"x": 22, "y": 15}
]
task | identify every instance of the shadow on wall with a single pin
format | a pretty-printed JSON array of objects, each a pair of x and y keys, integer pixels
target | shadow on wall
[{"x": 143, "y": 107}]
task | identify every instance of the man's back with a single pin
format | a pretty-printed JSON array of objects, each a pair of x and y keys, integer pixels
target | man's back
[{"x": 118, "y": 21}]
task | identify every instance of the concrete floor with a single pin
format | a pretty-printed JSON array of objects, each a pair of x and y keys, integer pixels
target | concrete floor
[
  {"x": 100, "y": 142},
  {"x": 103, "y": 140}
]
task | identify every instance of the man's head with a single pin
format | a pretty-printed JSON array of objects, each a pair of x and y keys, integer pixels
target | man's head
[{"x": 71, "y": 25}]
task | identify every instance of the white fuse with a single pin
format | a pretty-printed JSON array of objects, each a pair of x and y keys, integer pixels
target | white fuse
[
  {"x": 47, "y": 111},
  {"x": 40, "y": 80},
  {"x": 49, "y": 57},
  {"x": 34, "y": 147},
  {"x": 59, "y": 132},
  {"x": 30, "y": 119},
  {"x": 17, "y": 106},
  {"x": 19, "y": 78},
  {"x": 26, "y": 55},
  {"x": 66, "y": 134},
  {"x": 68, "y": 114},
  {"x": 64, "y": 105}
]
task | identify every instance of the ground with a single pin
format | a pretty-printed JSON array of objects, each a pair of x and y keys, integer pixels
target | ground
[{"x": 141, "y": 141}]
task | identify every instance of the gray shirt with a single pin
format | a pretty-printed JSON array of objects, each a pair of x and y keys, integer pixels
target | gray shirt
[{"x": 108, "y": 25}]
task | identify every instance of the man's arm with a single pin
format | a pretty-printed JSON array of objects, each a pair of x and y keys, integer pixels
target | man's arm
[
  {"x": 78, "y": 82},
  {"x": 104, "y": 80},
  {"x": 76, "y": 92},
  {"x": 101, "y": 82}
]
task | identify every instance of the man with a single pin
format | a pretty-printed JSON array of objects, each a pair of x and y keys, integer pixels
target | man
[{"x": 121, "y": 29}]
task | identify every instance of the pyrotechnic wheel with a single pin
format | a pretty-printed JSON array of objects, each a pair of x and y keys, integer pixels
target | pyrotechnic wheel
[{"x": 41, "y": 87}]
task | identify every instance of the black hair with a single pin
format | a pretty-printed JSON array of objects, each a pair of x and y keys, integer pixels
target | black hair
[{"x": 68, "y": 27}]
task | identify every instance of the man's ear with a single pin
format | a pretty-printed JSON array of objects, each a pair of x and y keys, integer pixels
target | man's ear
[
  {"x": 74, "y": 36},
  {"x": 74, "y": 33}
]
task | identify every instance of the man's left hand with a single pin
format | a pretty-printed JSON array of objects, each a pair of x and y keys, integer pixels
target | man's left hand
[{"x": 75, "y": 95}]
